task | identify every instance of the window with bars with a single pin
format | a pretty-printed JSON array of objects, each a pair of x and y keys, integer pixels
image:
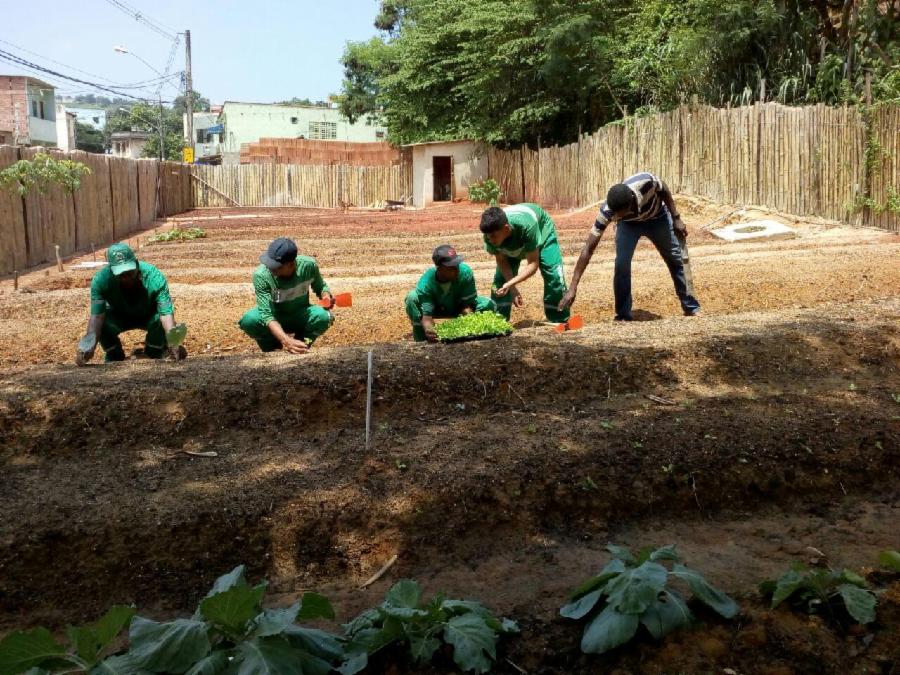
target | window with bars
[{"x": 323, "y": 131}]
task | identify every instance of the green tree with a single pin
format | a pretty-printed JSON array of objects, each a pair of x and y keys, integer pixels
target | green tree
[{"x": 89, "y": 139}]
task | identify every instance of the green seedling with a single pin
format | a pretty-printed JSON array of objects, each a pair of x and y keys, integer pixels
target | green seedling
[
  {"x": 474, "y": 325},
  {"x": 634, "y": 591},
  {"x": 824, "y": 591},
  {"x": 405, "y": 619},
  {"x": 606, "y": 424},
  {"x": 890, "y": 559},
  {"x": 896, "y": 398},
  {"x": 177, "y": 234}
]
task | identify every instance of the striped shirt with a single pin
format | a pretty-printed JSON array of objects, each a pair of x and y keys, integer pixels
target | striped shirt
[{"x": 647, "y": 189}]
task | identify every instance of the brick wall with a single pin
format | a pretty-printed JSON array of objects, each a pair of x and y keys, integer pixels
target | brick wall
[
  {"x": 307, "y": 151},
  {"x": 12, "y": 91}
]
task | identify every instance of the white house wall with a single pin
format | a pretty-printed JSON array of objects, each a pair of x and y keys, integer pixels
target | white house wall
[{"x": 468, "y": 168}]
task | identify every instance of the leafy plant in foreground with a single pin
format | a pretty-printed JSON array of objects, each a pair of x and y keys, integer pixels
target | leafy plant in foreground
[
  {"x": 633, "y": 591},
  {"x": 37, "y": 652},
  {"x": 823, "y": 589},
  {"x": 476, "y": 324},
  {"x": 890, "y": 559},
  {"x": 403, "y": 618},
  {"x": 177, "y": 234}
]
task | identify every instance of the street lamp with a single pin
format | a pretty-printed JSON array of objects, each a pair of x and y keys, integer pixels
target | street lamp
[{"x": 119, "y": 49}]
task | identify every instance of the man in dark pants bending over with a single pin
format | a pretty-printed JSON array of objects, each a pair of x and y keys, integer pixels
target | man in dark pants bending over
[{"x": 643, "y": 207}]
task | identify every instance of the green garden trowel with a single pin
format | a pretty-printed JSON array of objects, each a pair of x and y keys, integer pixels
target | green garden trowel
[{"x": 175, "y": 336}]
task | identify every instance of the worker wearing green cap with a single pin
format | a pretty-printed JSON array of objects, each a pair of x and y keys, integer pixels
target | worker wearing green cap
[
  {"x": 445, "y": 291},
  {"x": 126, "y": 295},
  {"x": 283, "y": 317}
]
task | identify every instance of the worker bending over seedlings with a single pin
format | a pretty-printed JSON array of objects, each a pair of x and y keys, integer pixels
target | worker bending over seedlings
[
  {"x": 643, "y": 207},
  {"x": 283, "y": 317},
  {"x": 445, "y": 291},
  {"x": 524, "y": 232},
  {"x": 126, "y": 295}
]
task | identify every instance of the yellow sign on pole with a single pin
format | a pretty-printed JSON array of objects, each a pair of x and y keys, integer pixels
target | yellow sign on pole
[{"x": 187, "y": 155}]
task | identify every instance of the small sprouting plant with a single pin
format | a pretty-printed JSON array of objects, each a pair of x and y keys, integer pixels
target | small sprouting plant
[
  {"x": 405, "y": 619},
  {"x": 42, "y": 171},
  {"x": 36, "y": 651},
  {"x": 823, "y": 591},
  {"x": 177, "y": 234},
  {"x": 487, "y": 192},
  {"x": 890, "y": 559},
  {"x": 476, "y": 324},
  {"x": 633, "y": 591}
]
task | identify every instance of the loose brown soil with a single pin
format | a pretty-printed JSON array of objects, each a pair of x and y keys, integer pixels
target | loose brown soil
[{"x": 499, "y": 469}]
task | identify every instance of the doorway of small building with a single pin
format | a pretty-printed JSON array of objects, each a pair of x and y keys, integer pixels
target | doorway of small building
[{"x": 443, "y": 178}]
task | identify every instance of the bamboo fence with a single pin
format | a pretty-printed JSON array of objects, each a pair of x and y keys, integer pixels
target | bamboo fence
[
  {"x": 324, "y": 186},
  {"x": 118, "y": 198},
  {"x": 806, "y": 161}
]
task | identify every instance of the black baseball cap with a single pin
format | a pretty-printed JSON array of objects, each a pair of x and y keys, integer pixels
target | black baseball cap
[
  {"x": 280, "y": 251},
  {"x": 446, "y": 256}
]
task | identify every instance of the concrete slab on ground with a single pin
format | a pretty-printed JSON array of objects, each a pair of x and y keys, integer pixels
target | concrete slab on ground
[{"x": 756, "y": 230}]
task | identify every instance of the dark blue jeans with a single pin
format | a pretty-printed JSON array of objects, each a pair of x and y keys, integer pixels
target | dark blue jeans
[{"x": 659, "y": 230}]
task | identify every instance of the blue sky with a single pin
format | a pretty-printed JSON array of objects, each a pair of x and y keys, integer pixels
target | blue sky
[{"x": 264, "y": 50}]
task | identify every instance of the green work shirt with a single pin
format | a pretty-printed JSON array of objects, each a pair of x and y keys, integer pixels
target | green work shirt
[
  {"x": 285, "y": 297},
  {"x": 531, "y": 227},
  {"x": 446, "y": 298},
  {"x": 149, "y": 298}
]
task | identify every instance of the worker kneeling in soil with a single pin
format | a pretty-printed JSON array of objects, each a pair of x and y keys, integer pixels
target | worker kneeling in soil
[
  {"x": 283, "y": 317},
  {"x": 524, "y": 232},
  {"x": 126, "y": 295},
  {"x": 644, "y": 207},
  {"x": 445, "y": 292}
]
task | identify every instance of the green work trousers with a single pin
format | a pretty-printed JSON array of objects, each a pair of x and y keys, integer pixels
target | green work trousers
[
  {"x": 414, "y": 312},
  {"x": 306, "y": 324},
  {"x": 551, "y": 268},
  {"x": 114, "y": 324}
]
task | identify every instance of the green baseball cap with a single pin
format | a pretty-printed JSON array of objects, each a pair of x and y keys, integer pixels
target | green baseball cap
[{"x": 121, "y": 258}]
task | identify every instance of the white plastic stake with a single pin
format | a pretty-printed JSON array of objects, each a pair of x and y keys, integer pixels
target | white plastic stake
[{"x": 369, "y": 403}]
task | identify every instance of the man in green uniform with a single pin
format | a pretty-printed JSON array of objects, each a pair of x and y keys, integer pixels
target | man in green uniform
[
  {"x": 126, "y": 295},
  {"x": 283, "y": 317},
  {"x": 444, "y": 291},
  {"x": 524, "y": 232}
]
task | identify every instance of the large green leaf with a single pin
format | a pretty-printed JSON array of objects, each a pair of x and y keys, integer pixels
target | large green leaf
[
  {"x": 22, "y": 650},
  {"x": 859, "y": 602},
  {"x": 608, "y": 630},
  {"x": 473, "y": 641},
  {"x": 317, "y": 642},
  {"x": 275, "y": 621},
  {"x": 217, "y": 662},
  {"x": 118, "y": 665},
  {"x": 709, "y": 595},
  {"x": 225, "y": 582},
  {"x": 890, "y": 559},
  {"x": 786, "y": 586},
  {"x": 633, "y": 591},
  {"x": 612, "y": 569},
  {"x": 851, "y": 577},
  {"x": 665, "y": 553},
  {"x": 315, "y": 606},
  {"x": 668, "y": 613},
  {"x": 578, "y": 609},
  {"x": 621, "y": 553},
  {"x": 171, "y": 647},
  {"x": 91, "y": 640},
  {"x": 423, "y": 647},
  {"x": 266, "y": 656},
  {"x": 233, "y": 609},
  {"x": 405, "y": 593},
  {"x": 362, "y": 621}
]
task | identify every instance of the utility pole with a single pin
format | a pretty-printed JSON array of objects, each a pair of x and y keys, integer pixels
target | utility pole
[
  {"x": 189, "y": 92},
  {"x": 162, "y": 136}
]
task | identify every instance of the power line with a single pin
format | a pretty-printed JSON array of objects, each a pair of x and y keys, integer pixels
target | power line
[
  {"x": 16, "y": 60},
  {"x": 140, "y": 17}
]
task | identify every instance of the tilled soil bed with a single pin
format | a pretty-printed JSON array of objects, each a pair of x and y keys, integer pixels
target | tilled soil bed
[{"x": 498, "y": 470}]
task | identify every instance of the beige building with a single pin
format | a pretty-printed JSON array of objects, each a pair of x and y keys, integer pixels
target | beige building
[
  {"x": 443, "y": 170},
  {"x": 128, "y": 143}
]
